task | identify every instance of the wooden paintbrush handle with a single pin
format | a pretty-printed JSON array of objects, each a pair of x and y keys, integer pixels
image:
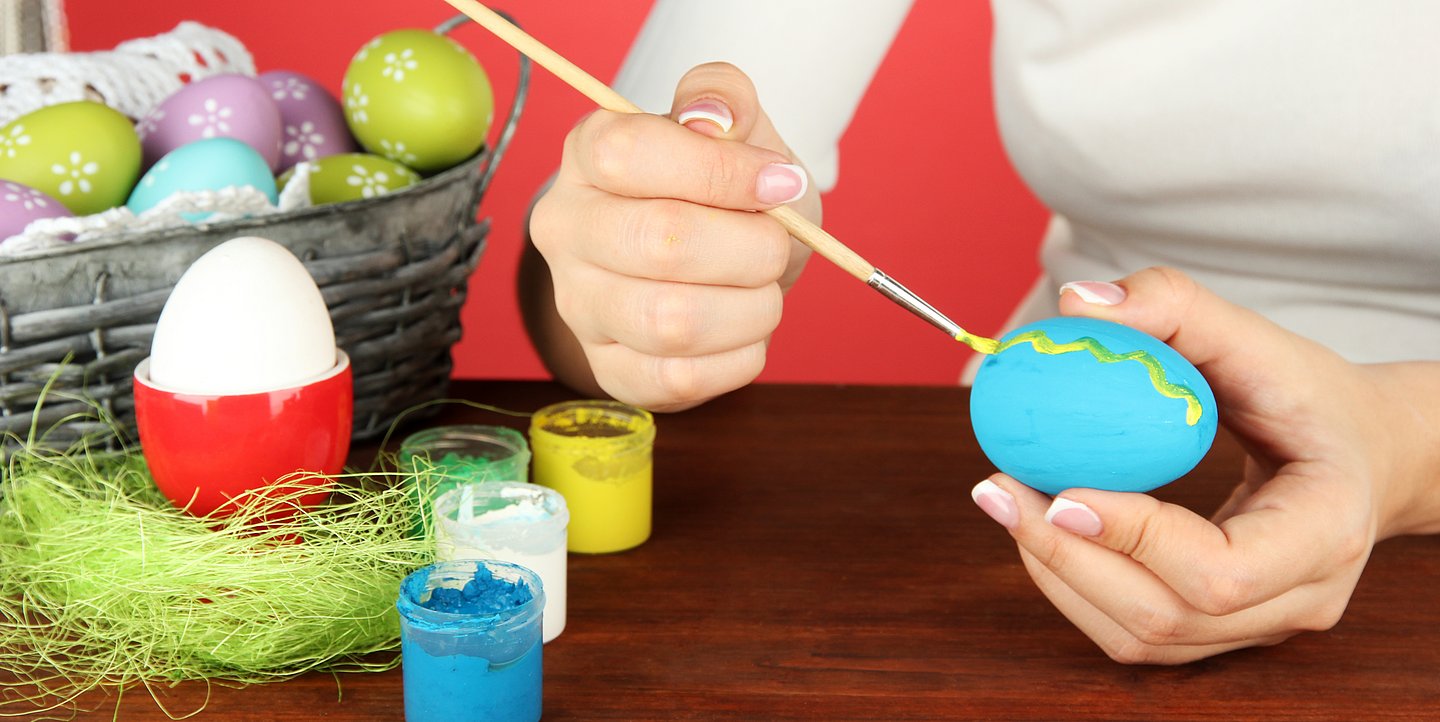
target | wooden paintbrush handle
[{"x": 823, "y": 243}]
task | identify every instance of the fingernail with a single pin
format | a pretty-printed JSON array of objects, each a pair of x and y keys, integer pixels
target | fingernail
[
  {"x": 997, "y": 503},
  {"x": 780, "y": 183},
  {"x": 1074, "y": 517},
  {"x": 711, "y": 110},
  {"x": 1099, "y": 293}
]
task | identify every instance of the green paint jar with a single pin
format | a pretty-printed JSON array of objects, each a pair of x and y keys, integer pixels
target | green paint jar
[{"x": 442, "y": 458}]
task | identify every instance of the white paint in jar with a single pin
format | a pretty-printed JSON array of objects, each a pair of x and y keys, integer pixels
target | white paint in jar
[{"x": 511, "y": 521}]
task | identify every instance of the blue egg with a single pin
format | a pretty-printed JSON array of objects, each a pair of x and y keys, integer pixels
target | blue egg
[
  {"x": 203, "y": 165},
  {"x": 1056, "y": 421}
]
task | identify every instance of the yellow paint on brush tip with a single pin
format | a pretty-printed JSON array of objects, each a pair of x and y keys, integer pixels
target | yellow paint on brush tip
[{"x": 1043, "y": 344}]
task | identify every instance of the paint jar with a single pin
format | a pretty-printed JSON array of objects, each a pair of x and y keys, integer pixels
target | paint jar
[
  {"x": 511, "y": 521},
  {"x": 598, "y": 455},
  {"x": 470, "y": 642},
  {"x": 445, "y": 457}
]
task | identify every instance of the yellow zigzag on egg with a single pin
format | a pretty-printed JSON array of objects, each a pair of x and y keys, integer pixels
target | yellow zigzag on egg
[{"x": 1043, "y": 344}]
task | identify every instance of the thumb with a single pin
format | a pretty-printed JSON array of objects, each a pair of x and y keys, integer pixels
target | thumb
[
  {"x": 719, "y": 100},
  {"x": 1225, "y": 341}
]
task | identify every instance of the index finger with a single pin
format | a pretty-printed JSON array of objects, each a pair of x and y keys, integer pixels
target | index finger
[
  {"x": 1278, "y": 540},
  {"x": 648, "y": 156}
]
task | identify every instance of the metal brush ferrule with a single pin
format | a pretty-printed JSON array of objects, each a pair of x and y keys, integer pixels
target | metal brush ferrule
[{"x": 897, "y": 292}]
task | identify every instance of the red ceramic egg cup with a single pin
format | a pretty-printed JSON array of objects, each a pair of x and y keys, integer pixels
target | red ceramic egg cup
[{"x": 204, "y": 452}]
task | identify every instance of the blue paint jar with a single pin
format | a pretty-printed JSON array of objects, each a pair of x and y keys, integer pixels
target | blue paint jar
[{"x": 470, "y": 642}]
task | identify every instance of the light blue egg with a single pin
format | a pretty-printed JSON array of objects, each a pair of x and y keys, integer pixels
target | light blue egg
[
  {"x": 1059, "y": 421},
  {"x": 203, "y": 165}
]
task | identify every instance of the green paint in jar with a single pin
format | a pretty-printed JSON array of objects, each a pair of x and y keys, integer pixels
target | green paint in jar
[{"x": 444, "y": 457}]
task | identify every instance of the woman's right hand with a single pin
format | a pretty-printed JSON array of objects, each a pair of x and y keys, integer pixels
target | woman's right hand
[{"x": 665, "y": 284}]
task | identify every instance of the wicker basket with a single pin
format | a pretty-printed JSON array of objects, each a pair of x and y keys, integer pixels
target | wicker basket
[{"x": 392, "y": 269}]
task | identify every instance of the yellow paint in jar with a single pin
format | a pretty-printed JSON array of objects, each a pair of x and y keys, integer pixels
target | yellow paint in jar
[{"x": 597, "y": 454}]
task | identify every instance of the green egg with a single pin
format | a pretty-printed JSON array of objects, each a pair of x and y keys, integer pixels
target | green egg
[
  {"x": 86, "y": 155},
  {"x": 418, "y": 98},
  {"x": 352, "y": 176}
]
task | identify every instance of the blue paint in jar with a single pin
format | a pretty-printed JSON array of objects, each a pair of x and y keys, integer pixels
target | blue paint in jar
[{"x": 470, "y": 642}]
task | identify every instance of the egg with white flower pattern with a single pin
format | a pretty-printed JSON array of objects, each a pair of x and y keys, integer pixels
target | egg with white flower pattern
[
  {"x": 353, "y": 176},
  {"x": 220, "y": 106},
  {"x": 84, "y": 154},
  {"x": 20, "y": 205},
  {"x": 418, "y": 98},
  {"x": 313, "y": 124}
]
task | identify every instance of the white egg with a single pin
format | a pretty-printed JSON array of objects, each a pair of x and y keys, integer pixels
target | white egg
[{"x": 246, "y": 317}]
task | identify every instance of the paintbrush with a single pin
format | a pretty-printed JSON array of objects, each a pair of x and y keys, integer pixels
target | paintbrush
[{"x": 808, "y": 233}]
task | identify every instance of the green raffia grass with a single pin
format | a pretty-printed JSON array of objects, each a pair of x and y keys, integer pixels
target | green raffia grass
[{"x": 103, "y": 583}]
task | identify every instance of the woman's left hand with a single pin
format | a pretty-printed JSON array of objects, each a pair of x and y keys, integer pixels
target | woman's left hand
[{"x": 1339, "y": 455}]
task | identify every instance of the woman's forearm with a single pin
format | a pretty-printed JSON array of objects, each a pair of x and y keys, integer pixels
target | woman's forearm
[{"x": 552, "y": 339}]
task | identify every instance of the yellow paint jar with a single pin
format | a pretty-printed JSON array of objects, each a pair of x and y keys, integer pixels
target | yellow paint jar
[{"x": 597, "y": 454}]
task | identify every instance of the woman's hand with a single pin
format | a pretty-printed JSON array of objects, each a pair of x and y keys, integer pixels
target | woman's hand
[
  {"x": 1339, "y": 455},
  {"x": 667, "y": 282}
]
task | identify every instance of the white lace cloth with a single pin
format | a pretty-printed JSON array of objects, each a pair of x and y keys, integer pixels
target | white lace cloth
[
  {"x": 225, "y": 204},
  {"x": 132, "y": 78}
]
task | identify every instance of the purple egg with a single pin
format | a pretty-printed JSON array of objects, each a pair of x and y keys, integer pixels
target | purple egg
[
  {"x": 220, "y": 106},
  {"x": 20, "y": 204},
  {"x": 313, "y": 122}
]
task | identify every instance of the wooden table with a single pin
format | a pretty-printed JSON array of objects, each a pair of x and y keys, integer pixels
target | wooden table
[{"x": 816, "y": 556}]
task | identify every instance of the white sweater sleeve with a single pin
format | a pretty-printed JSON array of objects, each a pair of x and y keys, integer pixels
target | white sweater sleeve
[{"x": 811, "y": 61}]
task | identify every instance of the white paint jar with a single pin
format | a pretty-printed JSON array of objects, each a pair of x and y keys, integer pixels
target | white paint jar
[{"x": 509, "y": 521}]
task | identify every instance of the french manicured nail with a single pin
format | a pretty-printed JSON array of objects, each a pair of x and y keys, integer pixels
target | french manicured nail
[
  {"x": 710, "y": 110},
  {"x": 1074, "y": 517},
  {"x": 1099, "y": 293},
  {"x": 997, "y": 503},
  {"x": 780, "y": 183}
]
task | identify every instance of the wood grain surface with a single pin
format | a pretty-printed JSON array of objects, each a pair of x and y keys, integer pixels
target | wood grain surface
[{"x": 816, "y": 556}]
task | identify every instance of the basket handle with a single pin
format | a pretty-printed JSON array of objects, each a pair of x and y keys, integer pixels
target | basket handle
[{"x": 517, "y": 105}]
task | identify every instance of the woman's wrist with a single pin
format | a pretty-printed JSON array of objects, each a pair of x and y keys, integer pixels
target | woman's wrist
[{"x": 1408, "y": 407}]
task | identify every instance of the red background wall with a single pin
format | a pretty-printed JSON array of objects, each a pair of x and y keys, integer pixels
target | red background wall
[{"x": 925, "y": 191}]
